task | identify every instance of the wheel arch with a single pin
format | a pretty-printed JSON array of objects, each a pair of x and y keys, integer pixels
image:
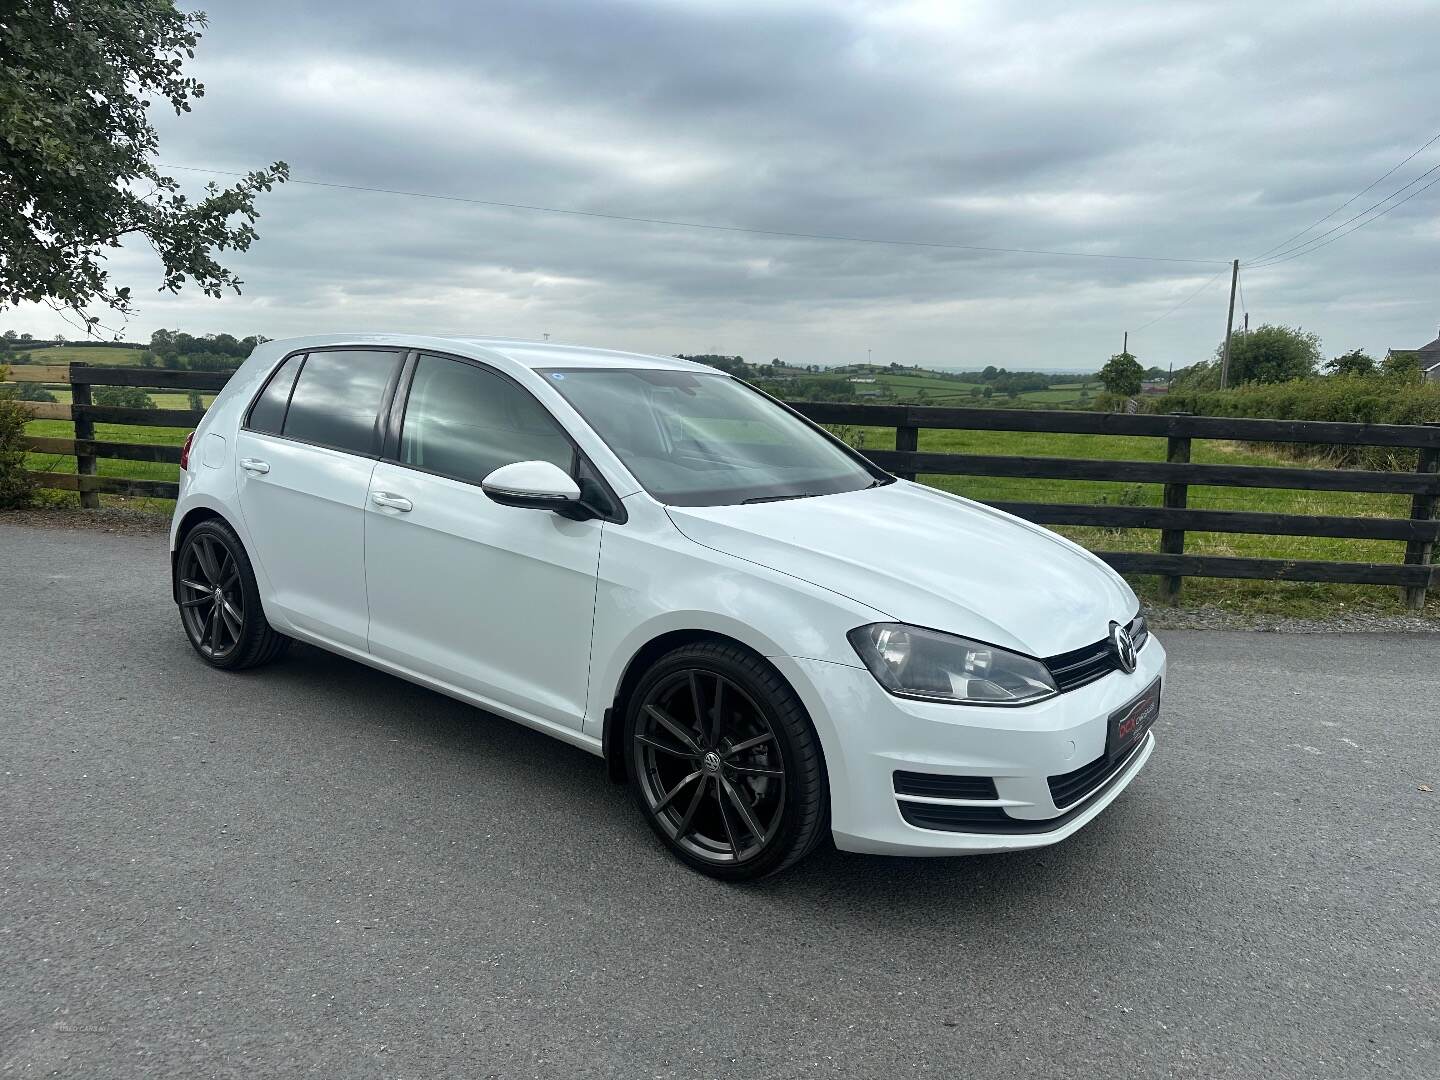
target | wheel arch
[
  {"x": 639, "y": 663},
  {"x": 192, "y": 517}
]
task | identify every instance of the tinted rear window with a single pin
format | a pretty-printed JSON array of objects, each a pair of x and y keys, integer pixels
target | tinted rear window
[
  {"x": 337, "y": 399},
  {"x": 268, "y": 412}
]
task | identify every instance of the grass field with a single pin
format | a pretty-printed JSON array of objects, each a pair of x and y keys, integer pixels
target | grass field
[
  {"x": 1287, "y": 598},
  {"x": 99, "y": 356},
  {"x": 902, "y": 386}
]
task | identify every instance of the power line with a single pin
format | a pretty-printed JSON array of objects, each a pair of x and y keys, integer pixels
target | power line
[
  {"x": 1377, "y": 217},
  {"x": 1182, "y": 303},
  {"x": 1312, "y": 243},
  {"x": 711, "y": 228},
  {"x": 1347, "y": 202}
]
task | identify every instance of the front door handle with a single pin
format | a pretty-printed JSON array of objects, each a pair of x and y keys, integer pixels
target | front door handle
[
  {"x": 394, "y": 502},
  {"x": 254, "y": 465}
]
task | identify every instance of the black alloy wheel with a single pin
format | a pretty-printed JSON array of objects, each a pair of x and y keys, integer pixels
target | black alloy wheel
[
  {"x": 219, "y": 602},
  {"x": 725, "y": 763}
]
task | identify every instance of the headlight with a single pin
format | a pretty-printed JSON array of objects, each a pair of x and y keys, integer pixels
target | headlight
[{"x": 910, "y": 661}]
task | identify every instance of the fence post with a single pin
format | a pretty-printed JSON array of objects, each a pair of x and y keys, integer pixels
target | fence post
[
  {"x": 1175, "y": 497},
  {"x": 84, "y": 429},
  {"x": 907, "y": 437},
  {"x": 1422, "y": 508}
]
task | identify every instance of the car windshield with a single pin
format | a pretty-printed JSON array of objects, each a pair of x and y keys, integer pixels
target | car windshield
[{"x": 696, "y": 439}]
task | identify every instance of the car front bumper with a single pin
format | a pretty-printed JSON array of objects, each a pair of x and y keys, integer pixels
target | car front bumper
[{"x": 868, "y": 735}]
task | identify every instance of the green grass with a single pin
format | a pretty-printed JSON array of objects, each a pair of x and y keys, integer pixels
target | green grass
[
  {"x": 905, "y": 386},
  {"x": 164, "y": 399},
  {"x": 134, "y": 470},
  {"x": 84, "y": 354}
]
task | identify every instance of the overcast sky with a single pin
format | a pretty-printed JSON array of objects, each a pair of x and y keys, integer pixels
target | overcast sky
[{"x": 1198, "y": 131}]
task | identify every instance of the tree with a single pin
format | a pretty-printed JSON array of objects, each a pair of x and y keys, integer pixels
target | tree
[
  {"x": 1353, "y": 364},
  {"x": 33, "y": 392},
  {"x": 1272, "y": 354},
  {"x": 1402, "y": 365},
  {"x": 17, "y": 487},
  {"x": 77, "y": 156},
  {"x": 1122, "y": 375},
  {"x": 988, "y": 393},
  {"x": 125, "y": 397}
]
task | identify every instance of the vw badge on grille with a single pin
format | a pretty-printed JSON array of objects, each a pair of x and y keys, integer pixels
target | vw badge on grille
[{"x": 1122, "y": 647}]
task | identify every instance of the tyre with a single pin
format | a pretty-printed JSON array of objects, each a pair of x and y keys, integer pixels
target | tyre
[
  {"x": 724, "y": 763},
  {"x": 219, "y": 601}
]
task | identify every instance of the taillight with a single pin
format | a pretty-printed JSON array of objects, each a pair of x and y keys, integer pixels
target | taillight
[{"x": 185, "y": 452}]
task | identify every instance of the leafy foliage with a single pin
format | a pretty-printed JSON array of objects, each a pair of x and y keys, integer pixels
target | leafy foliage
[
  {"x": 16, "y": 487},
  {"x": 1355, "y": 363},
  {"x": 1373, "y": 399},
  {"x": 77, "y": 174},
  {"x": 1403, "y": 364},
  {"x": 30, "y": 391},
  {"x": 125, "y": 397},
  {"x": 1122, "y": 374},
  {"x": 1271, "y": 354}
]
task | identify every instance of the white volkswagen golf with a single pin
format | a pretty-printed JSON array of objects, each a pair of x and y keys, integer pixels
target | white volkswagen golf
[{"x": 769, "y": 638}]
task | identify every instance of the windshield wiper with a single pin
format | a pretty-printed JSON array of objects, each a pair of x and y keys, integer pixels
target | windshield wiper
[{"x": 774, "y": 498}]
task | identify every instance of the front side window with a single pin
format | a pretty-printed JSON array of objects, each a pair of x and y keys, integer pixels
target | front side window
[
  {"x": 696, "y": 439},
  {"x": 337, "y": 398},
  {"x": 464, "y": 422}
]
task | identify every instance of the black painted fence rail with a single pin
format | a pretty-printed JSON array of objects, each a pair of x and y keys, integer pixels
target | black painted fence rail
[
  {"x": 1173, "y": 518},
  {"x": 1419, "y": 532}
]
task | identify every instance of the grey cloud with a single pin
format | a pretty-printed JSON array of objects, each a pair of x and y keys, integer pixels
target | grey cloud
[{"x": 1194, "y": 130}]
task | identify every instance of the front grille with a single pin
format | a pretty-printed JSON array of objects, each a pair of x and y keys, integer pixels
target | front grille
[
  {"x": 957, "y": 818},
  {"x": 945, "y": 787},
  {"x": 1073, "y": 786},
  {"x": 1082, "y": 666},
  {"x": 1071, "y": 802}
]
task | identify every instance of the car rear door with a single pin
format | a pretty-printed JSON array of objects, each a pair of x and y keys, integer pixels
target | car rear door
[
  {"x": 304, "y": 459},
  {"x": 494, "y": 600}
]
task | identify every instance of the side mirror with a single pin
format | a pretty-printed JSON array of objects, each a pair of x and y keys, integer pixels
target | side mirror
[{"x": 537, "y": 485}]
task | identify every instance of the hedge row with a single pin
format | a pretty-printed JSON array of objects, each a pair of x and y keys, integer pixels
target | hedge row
[{"x": 1365, "y": 400}]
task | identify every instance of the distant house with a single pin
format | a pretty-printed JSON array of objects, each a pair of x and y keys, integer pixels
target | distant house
[
  {"x": 857, "y": 379},
  {"x": 1428, "y": 355}
]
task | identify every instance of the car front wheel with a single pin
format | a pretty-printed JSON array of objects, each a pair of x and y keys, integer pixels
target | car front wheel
[{"x": 724, "y": 762}]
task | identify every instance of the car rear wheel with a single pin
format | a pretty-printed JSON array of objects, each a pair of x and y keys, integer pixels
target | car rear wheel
[
  {"x": 724, "y": 762},
  {"x": 219, "y": 601}
]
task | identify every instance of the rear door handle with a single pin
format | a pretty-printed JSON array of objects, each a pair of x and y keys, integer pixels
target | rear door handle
[
  {"x": 394, "y": 502},
  {"x": 254, "y": 465}
]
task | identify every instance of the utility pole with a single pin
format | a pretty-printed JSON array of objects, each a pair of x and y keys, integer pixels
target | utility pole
[
  {"x": 1126, "y": 347},
  {"x": 1229, "y": 322}
]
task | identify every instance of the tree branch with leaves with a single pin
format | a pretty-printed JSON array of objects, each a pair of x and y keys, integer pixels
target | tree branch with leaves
[{"x": 77, "y": 170}]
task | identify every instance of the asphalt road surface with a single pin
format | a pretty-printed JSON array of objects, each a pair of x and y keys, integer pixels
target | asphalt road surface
[{"x": 316, "y": 869}]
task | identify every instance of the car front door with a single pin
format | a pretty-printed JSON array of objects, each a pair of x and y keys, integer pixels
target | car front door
[
  {"x": 305, "y": 455},
  {"x": 494, "y": 600}
]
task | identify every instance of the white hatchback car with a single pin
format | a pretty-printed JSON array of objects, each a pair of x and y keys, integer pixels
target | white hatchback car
[{"x": 768, "y": 636}]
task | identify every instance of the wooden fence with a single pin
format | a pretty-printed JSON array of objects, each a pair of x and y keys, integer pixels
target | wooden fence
[
  {"x": 1176, "y": 473},
  {"x": 1172, "y": 519},
  {"x": 86, "y": 449}
]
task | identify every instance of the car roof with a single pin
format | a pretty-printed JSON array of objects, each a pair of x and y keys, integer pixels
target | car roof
[{"x": 526, "y": 354}]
